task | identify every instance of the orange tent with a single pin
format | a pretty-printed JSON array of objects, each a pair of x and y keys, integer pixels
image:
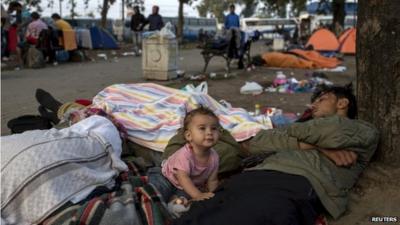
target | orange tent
[
  {"x": 323, "y": 40},
  {"x": 347, "y": 41}
]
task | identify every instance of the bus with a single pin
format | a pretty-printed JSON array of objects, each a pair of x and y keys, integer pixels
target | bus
[
  {"x": 191, "y": 28},
  {"x": 268, "y": 26}
]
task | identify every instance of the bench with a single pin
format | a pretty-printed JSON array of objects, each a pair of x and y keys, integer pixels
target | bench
[{"x": 228, "y": 53}]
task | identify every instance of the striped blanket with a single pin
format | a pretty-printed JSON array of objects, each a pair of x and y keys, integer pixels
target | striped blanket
[{"x": 152, "y": 114}]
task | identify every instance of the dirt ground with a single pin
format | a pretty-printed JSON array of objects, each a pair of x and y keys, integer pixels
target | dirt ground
[{"x": 376, "y": 194}]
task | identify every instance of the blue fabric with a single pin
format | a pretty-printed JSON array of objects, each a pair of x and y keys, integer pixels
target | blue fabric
[
  {"x": 232, "y": 20},
  {"x": 102, "y": 39}
]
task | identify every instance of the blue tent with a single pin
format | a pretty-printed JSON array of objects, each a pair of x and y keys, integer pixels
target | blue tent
[{"x": 101, "y": 38}]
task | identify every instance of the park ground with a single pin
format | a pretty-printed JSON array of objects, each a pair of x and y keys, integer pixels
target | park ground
[{"x": 376, "y": 194}]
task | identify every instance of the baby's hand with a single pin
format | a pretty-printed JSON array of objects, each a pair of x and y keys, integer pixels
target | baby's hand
[{"x": 203, "y": 196}]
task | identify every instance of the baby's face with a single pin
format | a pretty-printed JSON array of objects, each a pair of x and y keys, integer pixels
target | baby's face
[{"x": 203, "y": 131}]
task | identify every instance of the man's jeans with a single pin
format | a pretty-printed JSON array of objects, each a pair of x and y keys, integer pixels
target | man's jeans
[{"x": 137, "y": 41}]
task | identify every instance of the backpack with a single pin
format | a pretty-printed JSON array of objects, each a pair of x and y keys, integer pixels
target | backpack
[{"x": 34, "y": 58}]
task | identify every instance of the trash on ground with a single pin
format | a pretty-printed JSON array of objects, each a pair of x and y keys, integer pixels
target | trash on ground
[
  {"x": 129, "y": 53},
  {"x": 281, "y": 84},
  {"x": 251, "y": 88},
  {"x": 102, "y": 55},
  {"x": 198, "y": 77},
  {"x": 337, "y": 69},
  {"x": 180, "y": 73}
]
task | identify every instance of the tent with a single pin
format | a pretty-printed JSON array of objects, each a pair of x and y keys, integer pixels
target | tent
[
  {"x": 323, "y": 40},
  {"x": 347, "y": 41},
  {"x": 101, "y": 38}
]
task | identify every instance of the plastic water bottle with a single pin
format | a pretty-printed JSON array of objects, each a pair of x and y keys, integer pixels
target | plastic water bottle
[{"x": 257, "y": 110}]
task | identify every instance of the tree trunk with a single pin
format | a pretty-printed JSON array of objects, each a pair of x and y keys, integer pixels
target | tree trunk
[
  {"x": 104, "y": 12},
  {"x": 123, "y": 10},
  {"x": 378, "y": 73},
  {"x": 338, "y": 12},
  {"x": 179, "y": 31}
]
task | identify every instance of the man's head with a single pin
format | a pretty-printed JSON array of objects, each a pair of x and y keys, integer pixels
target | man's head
[
  {"x": 334, "y": 100},
  {"x": 155, "y": 9},
  {"x": 55, "y": 16},
  {"x": 232, "y": 8},
  {"x": 136, "y": 9},
  {"x": 14, "y": 6},
  {"x": 35, "y": 16}
]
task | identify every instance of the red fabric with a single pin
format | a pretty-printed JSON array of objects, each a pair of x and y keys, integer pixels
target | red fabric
[
  {"x": 12, "y": 39},
  {"x": 31, "y": 40},
  {"x": 84, "y": 102}
]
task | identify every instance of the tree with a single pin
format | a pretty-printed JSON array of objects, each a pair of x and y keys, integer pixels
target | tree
[
  {"x": 378, "y": 73},
  {"x": 73, "y": 13},
  {"x": 104, "y": 11},
  {"x": 338, "y": 12},
  {"x": 179, "y": 32}
]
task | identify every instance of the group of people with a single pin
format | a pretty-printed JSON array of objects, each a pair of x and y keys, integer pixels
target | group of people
[
  {"x": 22, "y": 29},
  {"x": 312, "y": 166},
  {"x": 138, "y": 22}
]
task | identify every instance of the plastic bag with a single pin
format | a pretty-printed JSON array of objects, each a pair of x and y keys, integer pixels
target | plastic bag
[
  {"x": 251, "y": 88},
  {"x": 201, "y": 88},
  {"x": 167, "y": 31}
]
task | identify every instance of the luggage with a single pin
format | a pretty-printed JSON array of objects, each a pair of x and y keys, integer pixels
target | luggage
[
  {"x": 34, "y": 58},
  {"x": 62, "y": 56}
]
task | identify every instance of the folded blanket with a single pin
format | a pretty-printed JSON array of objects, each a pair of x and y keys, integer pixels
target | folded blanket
[{"x": 151, "y": 114}]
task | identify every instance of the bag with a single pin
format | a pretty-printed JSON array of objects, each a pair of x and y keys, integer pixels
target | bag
[
  {"x": 35, "y": 58},
  {"x": 28, "y": 122},
  {"x": 62, "y": 56},
  {"x": 77, "y": 56},
  {"x": 202, "y": 88},
  {"x": 43, "y": 170},
  {"x": 135, "y": 202}
]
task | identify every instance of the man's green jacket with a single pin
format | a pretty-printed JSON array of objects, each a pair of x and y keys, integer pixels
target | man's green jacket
[{"x": 332, "y": 183}]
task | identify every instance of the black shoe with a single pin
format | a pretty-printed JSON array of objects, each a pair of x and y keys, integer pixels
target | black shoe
[
  {"x": 47, "y": 100},
  {"x": 48, "y": 115},
  {"x": 28, "y": 122}
]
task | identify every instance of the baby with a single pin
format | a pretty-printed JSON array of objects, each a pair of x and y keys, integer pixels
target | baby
[{"x": 193, "y": 169}]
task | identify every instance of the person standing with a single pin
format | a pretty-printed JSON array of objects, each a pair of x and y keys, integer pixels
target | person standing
[
  {"x": 60, "y": 23},
  {"x": 232, "y": 26},
  {"x": 137, "y": 23},
  {"x": 155, "y": 20}
]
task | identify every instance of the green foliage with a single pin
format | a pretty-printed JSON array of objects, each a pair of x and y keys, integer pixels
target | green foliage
[{"x": 216, "y": 8}]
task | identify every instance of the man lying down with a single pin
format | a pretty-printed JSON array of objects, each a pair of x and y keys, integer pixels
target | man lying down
[{"x": 314, "y": 165}]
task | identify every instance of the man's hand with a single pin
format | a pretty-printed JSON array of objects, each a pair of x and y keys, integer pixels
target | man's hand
[{"x": 340, "y": 157}]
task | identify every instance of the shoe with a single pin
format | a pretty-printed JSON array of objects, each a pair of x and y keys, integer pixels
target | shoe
[
  {"x": 47, "y": 100},
  {"x": 48, "y": 115}
]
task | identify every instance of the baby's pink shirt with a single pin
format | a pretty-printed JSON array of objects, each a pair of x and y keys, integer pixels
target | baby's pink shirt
[{"x": 184, "y": 160}]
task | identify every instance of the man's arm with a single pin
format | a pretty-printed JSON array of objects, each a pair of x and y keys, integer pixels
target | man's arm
[{"x": 341, "y": 157}]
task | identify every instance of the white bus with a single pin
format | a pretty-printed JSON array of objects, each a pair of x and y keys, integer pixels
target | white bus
[{"x": 267, "y": 26}]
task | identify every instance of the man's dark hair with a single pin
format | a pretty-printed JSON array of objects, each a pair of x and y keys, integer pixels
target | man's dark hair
[
  {"x": 231, "y": 6},
  {"x": 14, "y": 4},
  {"x": 340, "y": 92},
  {"x": 35, "y": 15},
  {"x": 55, "y": 16},
  {"x": 199, "y": 111}
]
